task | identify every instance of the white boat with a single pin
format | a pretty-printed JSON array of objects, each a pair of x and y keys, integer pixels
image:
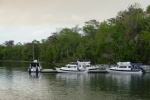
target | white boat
[
  {"x": 35, "y": 66},
  {"x": 75, "y": 67},
  {"x": 126, "y": 67}
]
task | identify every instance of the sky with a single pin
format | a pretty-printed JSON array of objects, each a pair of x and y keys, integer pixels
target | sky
[{"x": 27, "y": 20}]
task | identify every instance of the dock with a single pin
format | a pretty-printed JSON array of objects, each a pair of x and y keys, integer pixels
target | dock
[
  {"x": 97, "y": 71},
  {"x": 48, "y": 71}
]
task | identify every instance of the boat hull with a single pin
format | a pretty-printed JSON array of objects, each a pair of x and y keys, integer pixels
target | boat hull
[
  {"x": 70, "y": 71},
  {"x": 125, "y": 71},
  {"x": 33, "y": 70}
]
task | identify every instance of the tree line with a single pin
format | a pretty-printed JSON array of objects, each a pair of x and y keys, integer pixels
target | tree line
[{"x": 123, "y": 38}]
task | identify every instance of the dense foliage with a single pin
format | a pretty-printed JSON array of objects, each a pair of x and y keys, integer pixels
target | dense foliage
[{"x": 123, "y": 38}]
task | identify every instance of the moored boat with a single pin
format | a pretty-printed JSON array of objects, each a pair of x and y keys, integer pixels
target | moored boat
[
  {"x": 127, "y": 67},
  {"x": 35, "y": 66},
  {"x": 76, "y": 67}
]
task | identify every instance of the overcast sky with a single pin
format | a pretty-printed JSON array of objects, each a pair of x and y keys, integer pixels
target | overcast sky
[{"x": 26, "y": 20}]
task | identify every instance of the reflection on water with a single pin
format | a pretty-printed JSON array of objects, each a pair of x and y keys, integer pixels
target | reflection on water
[
  {"x": 16, "y": 83},
  {"x": 104, "y": 86}
]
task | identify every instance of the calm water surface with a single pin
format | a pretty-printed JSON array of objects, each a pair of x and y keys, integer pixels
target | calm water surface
[{"x": 17, "y": 84}]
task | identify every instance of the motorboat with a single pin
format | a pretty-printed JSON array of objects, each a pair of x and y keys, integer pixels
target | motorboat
[
  {"x": 76, "y": 67},
  {"x": 35, "y": 66},
  {"x": 127, "y": 67}
]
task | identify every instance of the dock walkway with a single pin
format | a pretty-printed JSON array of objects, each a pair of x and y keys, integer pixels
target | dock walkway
[{"x": 48, "y": 71}]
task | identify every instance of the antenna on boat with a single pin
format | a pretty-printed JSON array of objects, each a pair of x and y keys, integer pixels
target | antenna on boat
[{"x": 33, "y": 52}]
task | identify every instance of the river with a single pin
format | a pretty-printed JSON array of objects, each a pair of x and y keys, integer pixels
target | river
[{"x": 17, "y": 84}]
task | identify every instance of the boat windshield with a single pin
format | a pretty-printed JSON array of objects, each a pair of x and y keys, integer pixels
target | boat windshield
[
  {"x": 86, "y": 65},
  {"x": 122, "y": 66},
  {"x": 34, "y": 64},
  {"x": 129, "y": 67},
  {"x": 71, "y": 66}
]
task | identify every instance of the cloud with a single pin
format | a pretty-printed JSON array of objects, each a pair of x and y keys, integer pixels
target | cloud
[
  {"x": 21, "y": 18},
  {"x": 75, "y": 17},
  {"x": 49, "y": 12}
]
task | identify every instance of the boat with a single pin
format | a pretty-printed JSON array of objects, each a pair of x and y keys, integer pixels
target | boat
[
  {"x": 76, "y": 67},
  {"x": 127, "y": 67},
  {"x": 35, "y": 66}
]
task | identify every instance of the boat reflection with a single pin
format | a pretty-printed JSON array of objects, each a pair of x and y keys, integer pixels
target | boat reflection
[
  {"x": 68, "y": 77},
  {"x": 124, "y": 81},
  {"x": 34, "y": 75},
  {"x": 104, "y": 82}
]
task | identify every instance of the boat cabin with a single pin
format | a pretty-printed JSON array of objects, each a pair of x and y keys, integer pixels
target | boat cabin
[
  {"x": 84, "y": 64},
  {"x": 129, "y": 65},
  {"x": 77, "y": 65}
]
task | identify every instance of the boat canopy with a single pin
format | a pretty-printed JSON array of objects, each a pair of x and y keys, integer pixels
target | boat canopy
[
  {"x": 138, "y": 65},
  {"x": 35, "y": 61},
  {"x": 73, "y": 63},
  {"x": 83, "y": 63},
  {"x": 124, "y": 63}
]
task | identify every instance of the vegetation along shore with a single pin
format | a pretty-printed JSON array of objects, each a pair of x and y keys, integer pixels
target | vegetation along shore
[{"x": 123, "y": 38}]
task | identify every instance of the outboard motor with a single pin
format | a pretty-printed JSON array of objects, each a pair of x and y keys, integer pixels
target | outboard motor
[
  {"x": 139, "y": 65},
  {"x": 29, "y": 70},
  {"x": 36, "y": 70}
]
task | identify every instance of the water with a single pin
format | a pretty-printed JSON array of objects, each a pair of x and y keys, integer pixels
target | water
[{"x": 17, "y": 84}]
